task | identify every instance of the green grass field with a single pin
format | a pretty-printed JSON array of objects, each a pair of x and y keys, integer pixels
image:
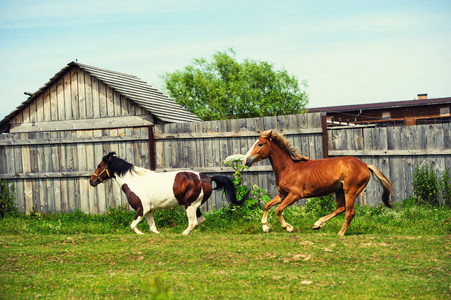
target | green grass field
[{"x": 401, "y": 253}]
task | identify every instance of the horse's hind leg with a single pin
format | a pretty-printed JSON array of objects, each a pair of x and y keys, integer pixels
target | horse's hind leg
[
  {"x": 151, "y": 221},
  {"x": 340, "y": 198},
  {"x": 276, "y": 200},
  {"x": 350, "y": 202},
  {"x": 200, "y": 217},
  {"x": 138, "y": 218},
  {"x": 192, "y": 216}
]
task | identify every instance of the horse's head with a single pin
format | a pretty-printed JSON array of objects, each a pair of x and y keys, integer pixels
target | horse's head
[
  {"x": 260, "y": 150},
  {"x": 101, "y": 174}
]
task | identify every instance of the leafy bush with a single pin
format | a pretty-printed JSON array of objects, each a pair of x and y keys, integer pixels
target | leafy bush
[
  {"x": 429, "y": 188},
  {"x": 321, "y": 206},
  {"x": 425, "y": 185},
  {"x": 257, "y": 196},
  {"x": 7, "y": 200},
  {"x": 445, "y": 187}
]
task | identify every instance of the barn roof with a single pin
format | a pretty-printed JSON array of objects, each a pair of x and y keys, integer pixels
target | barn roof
[
  {"x": 382, "y": 105},
  {"x": 133, "y": 88}
]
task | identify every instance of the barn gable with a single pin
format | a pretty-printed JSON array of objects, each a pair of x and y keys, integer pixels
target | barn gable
[{"x": 85, "y": 97}]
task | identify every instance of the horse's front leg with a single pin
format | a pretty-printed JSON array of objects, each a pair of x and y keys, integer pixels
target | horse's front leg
[
  {"x": 276, "y": 200},
  {"x": 151, "y": 221},
  {"x": 289, "y": 199}
]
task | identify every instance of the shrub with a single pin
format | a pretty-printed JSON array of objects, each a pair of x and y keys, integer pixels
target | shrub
[
  {"x": 430, "y": 188},
  {"x": 7, "y": 200},
  {"x": 321, "y": 206},
  {"x": 445, "y": 187},
  {"x": 257, "y": 196},
  {"x": 426, "y": 185}
]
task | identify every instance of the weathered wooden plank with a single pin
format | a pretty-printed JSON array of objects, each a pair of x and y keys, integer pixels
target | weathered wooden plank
[
  {"x": 103, "y": 100},
  {"x": 33, "y": 111},
  {"x": 74, "y": 94},
  {"x": 39, "y": 110},
  {"x": 81, "y": 94},
  {"x": 82, "y": 159},
  {"x": 85, "y": 140},
  {"x": 53, "y": 103},
  {"x": 60, "y": 99},
  {"x": 102, "y": 123},
  {"x": 216, "y": 134},
  {"x": 62, "y": 168},
  {"x": 100, "y": 200},
  {"x": 110, "y": 102},
  {"x": 55, "y": 184},
  {"x": 88, "y": 96},
  {"x": 411, "y": 152},
  {"x": 67, "y": 98}
]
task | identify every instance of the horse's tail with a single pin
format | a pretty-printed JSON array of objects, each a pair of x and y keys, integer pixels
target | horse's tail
[
  {"x": 226, "y": 184},
  {"x": 386, "y": 184}
]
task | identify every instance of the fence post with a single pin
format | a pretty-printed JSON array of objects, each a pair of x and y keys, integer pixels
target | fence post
[
  {"x": 151, "y": 148},
  {"x": 325, "y": 139}
]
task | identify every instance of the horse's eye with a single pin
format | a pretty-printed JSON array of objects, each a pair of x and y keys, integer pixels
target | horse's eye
[
  {"x": 98, "y": 166},
  {"x": 260, "y": 145}
]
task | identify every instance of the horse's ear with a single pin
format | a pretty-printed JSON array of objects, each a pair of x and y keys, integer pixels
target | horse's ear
[
  {"x": 266, "y": 134},
  {"x": 111, "y": 155}
]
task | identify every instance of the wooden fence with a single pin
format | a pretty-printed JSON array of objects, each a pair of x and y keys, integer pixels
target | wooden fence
[
  {"x": 50, "y": 170},
  {"x": 396, "y": 151},
  {"x": 203, "y": 146}
]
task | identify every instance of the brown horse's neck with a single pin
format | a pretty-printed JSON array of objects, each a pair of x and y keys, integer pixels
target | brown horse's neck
[{"x": 279, "y": 159}]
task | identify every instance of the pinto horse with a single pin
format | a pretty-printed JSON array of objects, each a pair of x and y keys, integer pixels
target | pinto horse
[
  {"x": 299, "y": 177},
  {"x": 147, "y": 191}
]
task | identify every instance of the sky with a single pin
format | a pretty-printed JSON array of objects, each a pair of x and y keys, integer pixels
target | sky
[{"x": 349, "y": 52}]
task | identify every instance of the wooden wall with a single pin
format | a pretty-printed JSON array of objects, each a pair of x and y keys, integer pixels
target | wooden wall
[
  {"x": 78, "y": 101},
  {"x": 396, "y": 151},
  {"x": 203, "y": 146},
  {"x": 51, "y": 169}
]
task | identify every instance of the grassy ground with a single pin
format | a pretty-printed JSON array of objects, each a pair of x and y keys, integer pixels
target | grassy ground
[{"x": 403, "y": 253}]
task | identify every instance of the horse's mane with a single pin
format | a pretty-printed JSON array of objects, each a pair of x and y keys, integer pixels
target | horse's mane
[
  {"x": 285, "y": 144},
  {"x": 120, "y": 167}
]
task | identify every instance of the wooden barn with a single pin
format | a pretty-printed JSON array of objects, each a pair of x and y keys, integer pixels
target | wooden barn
[
  {"x": 58, "y": 135},
  {"x": 395, "y": 113}
]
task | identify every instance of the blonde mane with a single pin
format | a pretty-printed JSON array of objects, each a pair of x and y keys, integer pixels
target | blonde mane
[
  {"x": 140, "y": 171},
  {"x": 285, "y": 144}
]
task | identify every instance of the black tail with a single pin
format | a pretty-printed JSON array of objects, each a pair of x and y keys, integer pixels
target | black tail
[{"x": 226, "y": 184}]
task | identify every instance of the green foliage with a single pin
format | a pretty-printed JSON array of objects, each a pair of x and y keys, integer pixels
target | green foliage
[
  {"x": 430, "y": 188},
  {"x": 445, "y": 187},
  {"x": 425, "y": 185},
  {"x": 405, "y": 218},
  {"x": 7, "y": 200},
  {"x": 225, "y": 88},
  {"x": 258, "y": 196},
  {"x": 321, "y": 206}
]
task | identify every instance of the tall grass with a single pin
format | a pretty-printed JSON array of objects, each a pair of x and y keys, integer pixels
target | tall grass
[{"x": 405, "y": 218}]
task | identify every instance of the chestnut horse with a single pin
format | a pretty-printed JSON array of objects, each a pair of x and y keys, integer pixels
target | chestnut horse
[
  {"x": 147, "y": 191},
  {"x": 299, "y": 177}
]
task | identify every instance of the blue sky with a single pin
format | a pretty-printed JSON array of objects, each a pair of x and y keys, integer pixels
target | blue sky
[{"x": 350, "y": 52}]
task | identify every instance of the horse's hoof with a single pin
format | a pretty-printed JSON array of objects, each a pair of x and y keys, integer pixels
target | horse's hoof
[
  {"x": 318, "y": 225},
  {"x": 265, "y": 228},
  {"x": 289, "y": 228},
  {"x": 200, "y": 220}
]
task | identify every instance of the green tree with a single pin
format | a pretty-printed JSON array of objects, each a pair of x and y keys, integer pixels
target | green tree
[{"x": 227, "y": 89}]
